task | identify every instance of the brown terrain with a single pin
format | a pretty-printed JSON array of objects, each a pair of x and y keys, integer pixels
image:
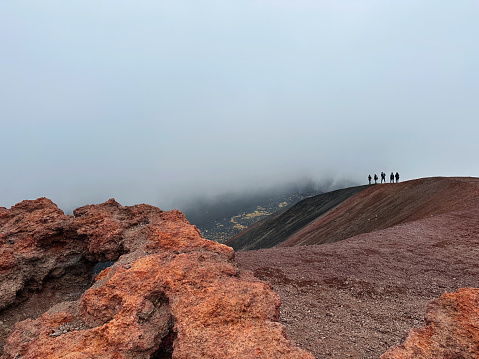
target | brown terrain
[
  {"x": 341, "y": 214},
  {"x": 170, "y": 294},
  {"x": 357, "y": 297},
  {"x": 281, "y": 225},
  {"x": 396, "y": 277}
]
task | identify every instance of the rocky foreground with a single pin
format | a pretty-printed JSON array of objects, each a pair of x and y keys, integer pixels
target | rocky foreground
[{"x": 171, "y": 294}]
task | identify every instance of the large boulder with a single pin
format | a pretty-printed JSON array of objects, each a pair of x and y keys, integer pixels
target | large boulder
[
  {"x": 452, "y": 329},
  {"x": 39, "y": 243},
  {"x": 171, "y": 294}
]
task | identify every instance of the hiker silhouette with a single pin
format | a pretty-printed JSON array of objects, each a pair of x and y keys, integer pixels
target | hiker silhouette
[{"x": 383, "y": 177}]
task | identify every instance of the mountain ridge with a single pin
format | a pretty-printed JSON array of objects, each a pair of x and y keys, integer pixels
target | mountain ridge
[
  {"x": 276, "y": 228},
  {"x": 369, "y": 209}
]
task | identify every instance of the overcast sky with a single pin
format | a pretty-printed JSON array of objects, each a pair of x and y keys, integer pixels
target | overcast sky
[{"x": 152, "y": 101}]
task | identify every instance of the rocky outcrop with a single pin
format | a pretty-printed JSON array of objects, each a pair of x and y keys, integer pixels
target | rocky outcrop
[
  {"x": 170, "y": 294},
  {"x": 452, "y": 329},
  {"x": 38, "y": 242}
]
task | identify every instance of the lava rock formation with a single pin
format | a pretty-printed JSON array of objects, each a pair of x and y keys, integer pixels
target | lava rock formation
[{"x": 170, "y": 294}]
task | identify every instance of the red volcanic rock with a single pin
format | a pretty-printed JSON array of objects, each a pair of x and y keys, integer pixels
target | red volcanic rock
[
  {"x": 31, "y": 247},
  {"x": 38, "y": 242},
  {"x": 172, "y": 293},
  {"x": 452, "y": 329}
]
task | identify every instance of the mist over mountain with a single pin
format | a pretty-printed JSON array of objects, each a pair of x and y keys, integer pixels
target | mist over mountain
[
  {"x": 223, "y": 216},
  {"x": 279, "y": 226}
]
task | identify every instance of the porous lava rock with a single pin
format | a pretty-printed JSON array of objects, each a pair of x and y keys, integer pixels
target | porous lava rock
[
  {"x": 31, "y": 247},
  {"x": 171, "y": 294},
  {"x": 451, "y": 331},
  {"x": 38, "y": 242}
]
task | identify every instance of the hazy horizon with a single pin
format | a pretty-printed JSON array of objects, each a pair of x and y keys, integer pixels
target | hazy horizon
[{"x": 158, "y": 102}]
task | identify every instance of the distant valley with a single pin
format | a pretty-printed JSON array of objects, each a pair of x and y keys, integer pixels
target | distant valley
[{"x": 220, "y": 221}]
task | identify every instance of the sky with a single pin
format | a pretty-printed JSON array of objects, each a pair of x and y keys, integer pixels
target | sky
[{"x": 160, "y": 101}]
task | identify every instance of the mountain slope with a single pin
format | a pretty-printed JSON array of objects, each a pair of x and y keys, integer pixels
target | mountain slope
[
  {"x": 222, "y": 218},
  {"x": 342, "y": 214},
  {"x": 282, "y": 224},
  {"x": 357, "y": 297},
  {"x": 384, "y": 206}
]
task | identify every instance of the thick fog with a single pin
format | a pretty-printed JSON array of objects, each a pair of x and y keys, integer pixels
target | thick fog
[{"x": 160, "y": 102}]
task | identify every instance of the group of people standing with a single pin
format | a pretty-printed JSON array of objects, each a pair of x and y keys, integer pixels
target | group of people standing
[{"x": 383, "y": 178}]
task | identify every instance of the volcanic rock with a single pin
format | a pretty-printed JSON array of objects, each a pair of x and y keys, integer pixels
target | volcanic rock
[
  {"x": 452, "y": 329},
  {"x": 171, "y": 294}
]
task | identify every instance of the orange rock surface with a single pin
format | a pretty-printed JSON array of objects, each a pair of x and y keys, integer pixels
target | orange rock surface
[
  {"x": 171, "y": 294},
  {"x": 452, "y": 329}
]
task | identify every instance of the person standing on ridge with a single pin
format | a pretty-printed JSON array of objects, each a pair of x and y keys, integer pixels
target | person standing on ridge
[
  {"x": 397, "y": 177},
  {"x": 383, "y": 177},
  {"x": 375, "y": 178},
  {"x": 391, "y": 178},
  {"x": 369, "y": 178}
]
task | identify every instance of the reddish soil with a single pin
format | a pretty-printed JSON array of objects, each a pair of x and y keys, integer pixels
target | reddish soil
[
  {"x": 357, "y": 297},
  {"x": 386, "y": 205}
]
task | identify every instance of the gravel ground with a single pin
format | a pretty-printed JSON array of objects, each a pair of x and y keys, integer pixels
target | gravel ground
[{"x": 358, "y": 297}]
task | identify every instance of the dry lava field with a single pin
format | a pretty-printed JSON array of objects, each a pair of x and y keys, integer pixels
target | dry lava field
[{"x": 358, "y": 297}]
